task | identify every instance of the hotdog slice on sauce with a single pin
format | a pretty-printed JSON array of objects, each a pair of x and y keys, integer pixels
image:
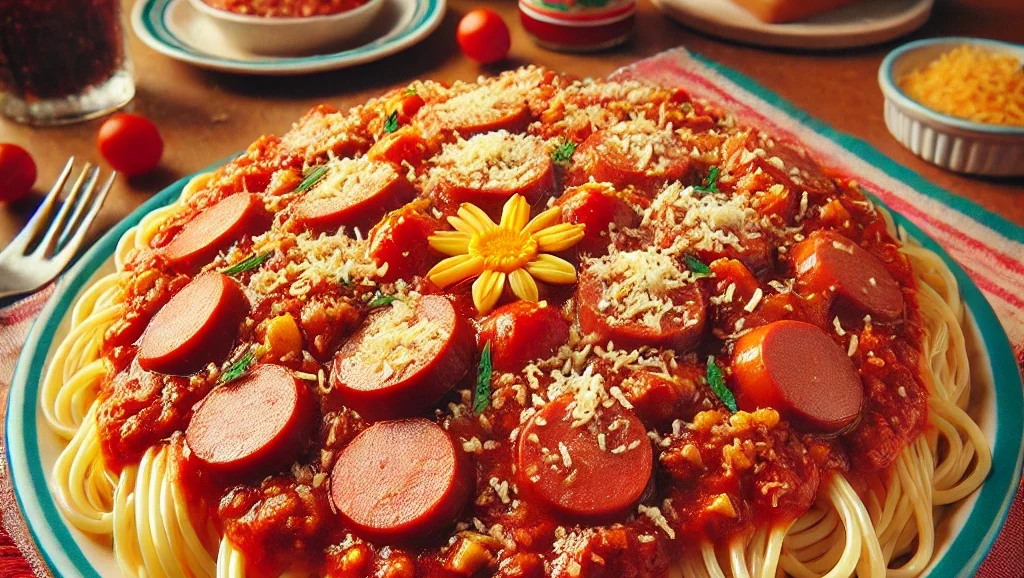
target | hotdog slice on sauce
[
  {"x": 488, "y": 169},
  {"x": 254, "y": 426},
  {"x": 637, "y": 298},
  {"x": 797, "y": 369},
  {"x": 521, "y": 332},
  {"x": 196, "y": 326},
  {"x": 636, "y": 153},
  {"x": 400, "y": 240},
  {"x": 401, "y": 481},
  {"x": 482, "y": 110},
  {"x": 352, "y": 193},
  {"x": 830, "y": 263},
  {"x": 215, "y": 229},
  {"x": 591, "y": 471},
  {"x": 598, "y": 207},
  {"x": 403, "y": 359}
]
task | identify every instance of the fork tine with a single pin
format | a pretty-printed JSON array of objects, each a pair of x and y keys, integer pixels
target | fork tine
[
  {"x": 68, "y": 251},
  {"x": 83, "y": 187},
  {"x": 34, "y": 224}
]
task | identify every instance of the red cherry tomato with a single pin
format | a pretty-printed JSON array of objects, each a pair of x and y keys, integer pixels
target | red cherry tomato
[
  {"x": 483, "y": 36},
  {"x": 130, "y": 143},
  {"x": 17, "y": 172}
]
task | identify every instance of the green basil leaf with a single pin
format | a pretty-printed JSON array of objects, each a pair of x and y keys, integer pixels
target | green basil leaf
[
  {"x": 717, "y": 383},
  {"x": 238, "y": 368},
  {"x": 311, "y": 178},
  {"x": 381, "y": 301},
  {"x": 710, "y": 184},
  {"x": 563, "y": 153},
  {"x": 696, "y": 266},
  {"x": 246, "y": 264},
  {"x": 391, "y": 124},
  {"x": 482, "y": 395}
]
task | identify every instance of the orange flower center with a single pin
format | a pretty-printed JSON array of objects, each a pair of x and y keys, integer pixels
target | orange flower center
[{"x": 503, "y": 250}]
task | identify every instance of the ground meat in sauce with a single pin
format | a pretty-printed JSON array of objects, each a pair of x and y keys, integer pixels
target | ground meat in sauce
[{"x": 717, "y": 474}]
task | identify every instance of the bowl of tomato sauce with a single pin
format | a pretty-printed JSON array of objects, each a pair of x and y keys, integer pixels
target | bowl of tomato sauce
[{"x": 289, "y": 27}]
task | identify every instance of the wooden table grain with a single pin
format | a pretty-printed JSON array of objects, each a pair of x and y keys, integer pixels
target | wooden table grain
[{"x": 205, "y": 116}]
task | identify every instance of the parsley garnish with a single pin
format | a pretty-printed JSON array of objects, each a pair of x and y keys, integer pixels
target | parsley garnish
[
  {"x": 250, "y": 262},
  {"x": 311, "y": 178},
  {"x": 381, "y": 300},
  {"x": 238, "y": 368},
  {"x": 482, "y": 396},
  {"x": 696, "y": 266},
  {"x": 717, "y": 383},
  {"x": 411, "y": 91},
  {"x": 391, "y": 124},
  {"x": 710, "y": 184},
  {"x": 563, "y": 153}
]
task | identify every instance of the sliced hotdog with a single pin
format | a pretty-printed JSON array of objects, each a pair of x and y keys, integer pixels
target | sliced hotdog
[
  {"x": 254, "y": 426},
  {"x": 599, "y": 207},
  {"x": 521, "y": 332},
  {"x": 196, "y": 326},
  {"x": 830, "y": 263},
  {"x": 215, "y": 229},
  {"x": 401, "y": 481},
  {"x": 636, "y": 153},
  {"x": 352, "y": 193},
  {"x": 639, "y": 298},
  {"x": 488, "y": 169},
  {"x": 797, "y": 369},
  {"x": 400, "y": 240},
  {"x": 403, "y": 359},
  {"x": 592, "y": 471},
  {"x": 482, "y": 110}
]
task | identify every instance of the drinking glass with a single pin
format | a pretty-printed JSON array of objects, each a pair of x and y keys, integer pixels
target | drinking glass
[{"x": 62, "y": 61}]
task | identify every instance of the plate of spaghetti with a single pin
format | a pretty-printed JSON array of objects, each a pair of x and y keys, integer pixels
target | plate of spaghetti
[{"x": 521, "y": 327}]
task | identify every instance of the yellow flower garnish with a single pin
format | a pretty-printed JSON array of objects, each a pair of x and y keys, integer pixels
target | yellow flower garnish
[{"x": 513, "y": 249}]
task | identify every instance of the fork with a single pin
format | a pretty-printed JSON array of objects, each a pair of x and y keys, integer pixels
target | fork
[{"x": 46, "y": 245}]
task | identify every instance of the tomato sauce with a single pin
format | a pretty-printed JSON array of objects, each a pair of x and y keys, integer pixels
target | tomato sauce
[
  {"x": 717, "y": 474},
  {"x": 286, "y": 8}
]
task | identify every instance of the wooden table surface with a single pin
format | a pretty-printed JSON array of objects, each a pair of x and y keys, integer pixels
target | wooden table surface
[{"x": 205, "y": 116}]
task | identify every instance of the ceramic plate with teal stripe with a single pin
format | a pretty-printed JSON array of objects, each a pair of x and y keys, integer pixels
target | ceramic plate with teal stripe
[{"x": 174, "y": 28}]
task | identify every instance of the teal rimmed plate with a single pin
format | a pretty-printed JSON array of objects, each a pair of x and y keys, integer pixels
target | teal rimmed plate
[
  {"x": 174, "y": 28},
  {"x": 964, "y": 535}
]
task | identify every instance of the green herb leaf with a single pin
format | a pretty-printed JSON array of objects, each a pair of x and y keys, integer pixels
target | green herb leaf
[
  {"x": 238, "y": 368},
  {"x": 696, "y": 266},
  {"x": 381, "y": 301},
  {"x": 710, "y": 184},
  {"x": 717, "y": 383},
  {"x": 482, "y": 396},
  {"x": 563, "y": 153},
  {"x": 411, "y": 91},
  {"x": 391, "y": 124},
  {"x": 311, "y": 178},
  {"x": 248, "y": 263}
]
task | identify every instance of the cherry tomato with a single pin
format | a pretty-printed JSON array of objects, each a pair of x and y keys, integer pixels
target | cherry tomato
[
  {"x": 483, "y": 36},
  {"x": 17, "y": 172},
  {"x": 130, "y": 143}
]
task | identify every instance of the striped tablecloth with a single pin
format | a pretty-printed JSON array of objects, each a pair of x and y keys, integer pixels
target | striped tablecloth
[{"x": 990, "y": 249}]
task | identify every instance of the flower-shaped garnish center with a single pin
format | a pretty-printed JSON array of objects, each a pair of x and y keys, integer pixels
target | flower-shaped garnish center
[
  {"x": 503, "y": 249},
  {"x": 513, "y": 249}
]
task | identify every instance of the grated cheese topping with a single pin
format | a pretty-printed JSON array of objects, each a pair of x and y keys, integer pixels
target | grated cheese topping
[
  {"x": 495, "y": 160},
  {"x": 310, "y": 260},
  {"x": 636, "y": 286},
  {"x": 395, "y": 339},
  {"x": 710, "y": 222}
]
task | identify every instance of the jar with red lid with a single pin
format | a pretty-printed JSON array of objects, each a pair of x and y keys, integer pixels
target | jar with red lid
[
  {"x": 62, "y": 61},
  {"x": 578, "y": 25}
]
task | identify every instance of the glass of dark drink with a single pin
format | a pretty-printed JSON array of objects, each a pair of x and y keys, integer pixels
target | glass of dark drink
[{"x": 62, "y": 61}]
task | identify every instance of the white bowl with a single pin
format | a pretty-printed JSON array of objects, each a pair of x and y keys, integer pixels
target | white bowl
[
  {"x": 290, "y": 36},
  {"x": 950, "y": 142}
]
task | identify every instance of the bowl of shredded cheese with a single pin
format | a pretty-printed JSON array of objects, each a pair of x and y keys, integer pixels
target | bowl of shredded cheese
[{"x": 958, "y": 103}]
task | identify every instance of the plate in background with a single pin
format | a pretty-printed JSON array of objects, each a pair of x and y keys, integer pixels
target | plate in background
[
  {"x": 176, "y": 29},
  {"x": 860, "y": 24}
]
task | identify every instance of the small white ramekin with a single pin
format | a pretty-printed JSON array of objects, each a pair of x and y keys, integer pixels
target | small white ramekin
[
  {"x": 952, "y": 143},
  {"x": 290, "y": 36}
]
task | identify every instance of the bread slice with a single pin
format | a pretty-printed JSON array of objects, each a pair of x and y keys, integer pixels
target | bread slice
[{"x": 778, "y": 11}]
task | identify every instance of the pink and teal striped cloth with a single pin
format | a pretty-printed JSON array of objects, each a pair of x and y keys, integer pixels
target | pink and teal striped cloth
[{"x": 988, "y": 247}]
